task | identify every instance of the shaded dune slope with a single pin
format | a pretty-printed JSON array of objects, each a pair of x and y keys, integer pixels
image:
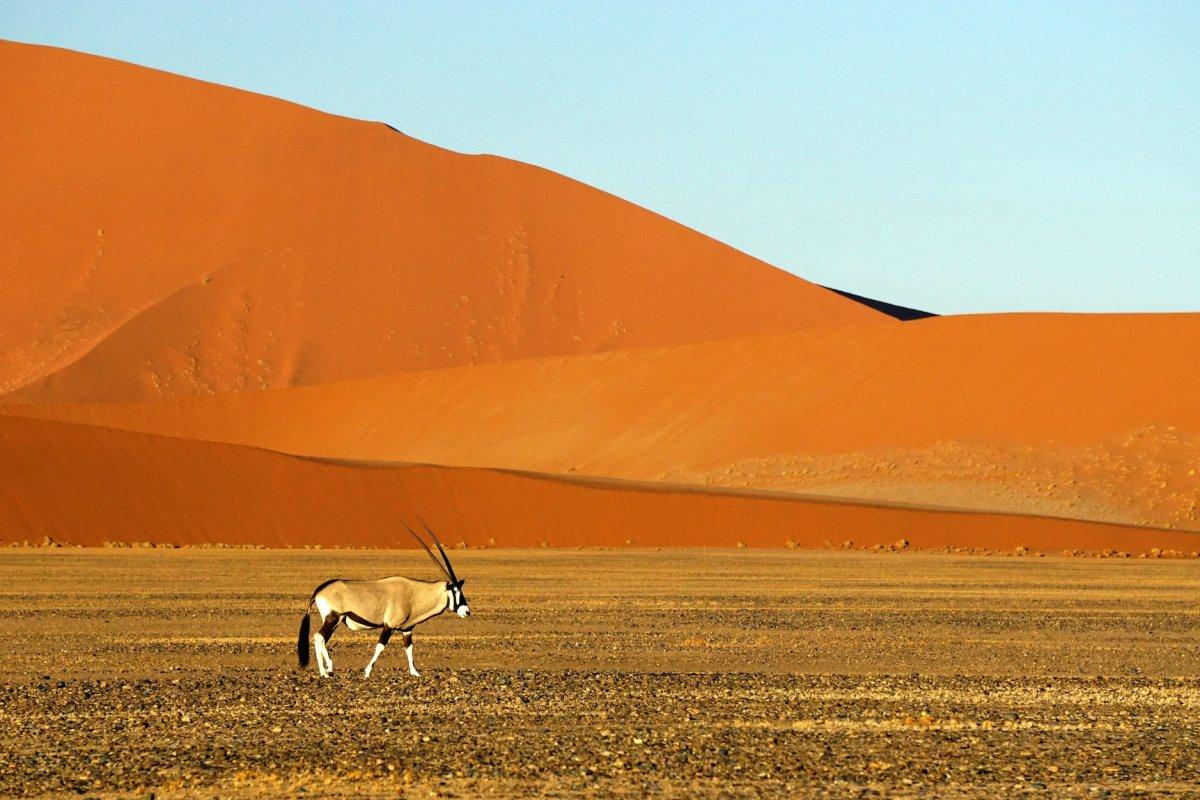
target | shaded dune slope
[
  {"x": 172, "y": 237},
  {"x": 902, "y": 313},
  {"x": 86, "y": 485},
  {"x": 1068, "y": 415}
]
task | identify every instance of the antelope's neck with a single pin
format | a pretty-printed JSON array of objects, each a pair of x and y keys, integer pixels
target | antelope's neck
[{"x": 433, "y": 601}]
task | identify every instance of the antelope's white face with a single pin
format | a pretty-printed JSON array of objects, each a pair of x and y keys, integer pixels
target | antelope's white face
[{"x": 458, "y": 600}]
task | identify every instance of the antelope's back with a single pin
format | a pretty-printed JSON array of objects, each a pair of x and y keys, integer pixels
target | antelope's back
[{"x": 379, "y": 601}]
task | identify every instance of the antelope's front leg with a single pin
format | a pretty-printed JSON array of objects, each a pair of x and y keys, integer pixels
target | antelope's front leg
[
  {"x": 408, "y": 644},
  {"x": 383, "y": 640}
]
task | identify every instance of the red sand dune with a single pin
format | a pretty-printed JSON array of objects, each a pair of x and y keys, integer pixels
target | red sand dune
[
  {"x": 237, "y": 274},
  {"x": 86, "y": 485},
  {"x": 173, "y": 237},
  {"x": 1069, "y": 415}
]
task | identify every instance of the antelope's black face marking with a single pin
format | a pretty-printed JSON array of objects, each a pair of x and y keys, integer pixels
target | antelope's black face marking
[{"x": 458, "y": 600}]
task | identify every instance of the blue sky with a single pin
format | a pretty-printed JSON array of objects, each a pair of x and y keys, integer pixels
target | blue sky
[{"x": 958, "y": 157}]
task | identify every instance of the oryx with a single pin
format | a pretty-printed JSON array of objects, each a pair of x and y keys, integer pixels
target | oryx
[{"x": 391, "y": 604}]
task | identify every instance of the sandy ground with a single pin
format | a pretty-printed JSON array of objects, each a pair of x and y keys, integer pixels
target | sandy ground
[{"x": 588, "y": 673}]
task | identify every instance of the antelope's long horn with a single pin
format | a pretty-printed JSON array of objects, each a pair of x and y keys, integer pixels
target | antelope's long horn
[
  {"x": 442, "y": 550},
  {"x": 432, "y": 557}
]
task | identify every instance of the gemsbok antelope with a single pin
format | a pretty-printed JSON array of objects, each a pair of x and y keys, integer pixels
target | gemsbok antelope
[{"x": 391, "y": 604}]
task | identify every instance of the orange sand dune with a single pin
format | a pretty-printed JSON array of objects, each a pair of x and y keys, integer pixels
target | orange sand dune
[
  {"x": 161, "y": 236},
  {"x": 168, "y": 243},
  {"x": 86, "y": 485},
  {"x": 1072, "y": 415}
]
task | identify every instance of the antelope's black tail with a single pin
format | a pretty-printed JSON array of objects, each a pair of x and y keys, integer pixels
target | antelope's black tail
[{"x": 302, "y": 642}]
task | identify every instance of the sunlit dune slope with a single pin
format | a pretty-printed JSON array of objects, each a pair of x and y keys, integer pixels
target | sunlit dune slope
[
  {"x": 86, "y": 485},
  {"x": 209, "y": 275},
  {"x": 1069, "y": 415},
  {"x": 162, "y": 236}
]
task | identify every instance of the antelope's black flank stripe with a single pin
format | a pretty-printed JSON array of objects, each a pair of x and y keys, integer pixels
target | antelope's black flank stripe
[{"x": 362, "y": 621}]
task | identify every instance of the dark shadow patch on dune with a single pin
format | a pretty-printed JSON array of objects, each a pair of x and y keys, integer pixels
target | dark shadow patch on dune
[{"x": 891, "y": 309}]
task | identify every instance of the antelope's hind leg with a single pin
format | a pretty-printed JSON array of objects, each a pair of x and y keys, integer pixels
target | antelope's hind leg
[
  {"x": 408, "y": 645},
  {"x": 324, "y": 660},
  {"x": 383, "y": 640}
]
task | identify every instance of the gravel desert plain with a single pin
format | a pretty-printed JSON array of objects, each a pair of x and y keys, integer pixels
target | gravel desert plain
[
  {"x": 726, "y": 532},
  {"x": 697, "y": 673}
]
